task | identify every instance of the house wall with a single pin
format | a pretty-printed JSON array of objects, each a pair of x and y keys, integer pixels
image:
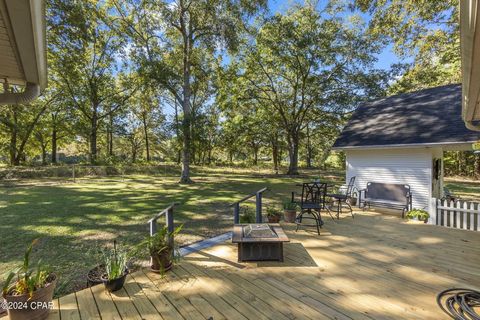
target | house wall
[{"x": 411, "y": 166}]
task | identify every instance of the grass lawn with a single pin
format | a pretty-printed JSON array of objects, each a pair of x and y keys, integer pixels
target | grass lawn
[
  {"x": 75, "y": 220},
  {"x": 466, "y": 189}
]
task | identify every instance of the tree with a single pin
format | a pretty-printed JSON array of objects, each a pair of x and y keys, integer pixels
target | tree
[
  {"x": 166, "y": 33},
  {"x": 84, "y": 51},
  {"x": 425, "y": 32},
  {"x": 301, "y": 62},
  {"x": 19, "y": 121},
  {"x": 146, "y": 107}
]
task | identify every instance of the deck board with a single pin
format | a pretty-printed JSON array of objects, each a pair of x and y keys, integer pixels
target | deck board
[{"x": 371, "y": 267}]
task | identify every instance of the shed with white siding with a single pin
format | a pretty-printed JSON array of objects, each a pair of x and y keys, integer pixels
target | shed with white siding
[{"x": 401, "y": 139}]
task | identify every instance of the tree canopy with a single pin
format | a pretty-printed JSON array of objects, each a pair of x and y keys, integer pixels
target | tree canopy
[{"x": 221, "y": 81}]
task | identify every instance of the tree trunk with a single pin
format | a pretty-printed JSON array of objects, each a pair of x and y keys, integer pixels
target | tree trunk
[
  {"x": 293, "y": 153},
  {"x": 14, "y": 161},
  {"x": 110, "y": 136},
  {"x": 44, "y": 153},
  {"x": 323, "y": 160},
  {"x": 187, "y": 112},
  {"x": 93, "y": 139},
  {"x": 275, "y": 154},
  {"x": 54, "y": 143},
  {"x": 309, "y": 149},
  {"x": 185, "y": 176},
  {"x": 177, "y": 132},
  {"x": 134, "y": 153},
  {"x": 145, "y": 132}
]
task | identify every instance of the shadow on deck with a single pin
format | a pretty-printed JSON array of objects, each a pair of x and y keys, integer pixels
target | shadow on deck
[{"x": 370, "y": 267}]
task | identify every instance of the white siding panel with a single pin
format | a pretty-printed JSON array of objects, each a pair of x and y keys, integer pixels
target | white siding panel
[{"x": 405, "y": 166}]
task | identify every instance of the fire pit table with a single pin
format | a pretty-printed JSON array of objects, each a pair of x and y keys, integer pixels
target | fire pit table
[{"x": 259, "y": 242}]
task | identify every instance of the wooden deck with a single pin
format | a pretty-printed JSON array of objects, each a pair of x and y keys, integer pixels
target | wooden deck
[{"x": 371, "y": 267}]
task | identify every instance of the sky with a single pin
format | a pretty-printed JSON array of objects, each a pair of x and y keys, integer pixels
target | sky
[{"x": 385, "y": 59}]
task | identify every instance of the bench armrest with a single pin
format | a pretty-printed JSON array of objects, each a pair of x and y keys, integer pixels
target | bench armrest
[
  {"x": 360, "y": 195},
  {"x": 409, "y": 200}
]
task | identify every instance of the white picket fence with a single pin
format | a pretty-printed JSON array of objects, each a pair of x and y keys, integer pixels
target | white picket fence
[{"x": 459, "y": 214}]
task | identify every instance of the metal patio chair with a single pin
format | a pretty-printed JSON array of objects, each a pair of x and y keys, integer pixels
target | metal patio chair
[
  {"x": 340, "y": 198},
  {"x": 311, "y": 203}
]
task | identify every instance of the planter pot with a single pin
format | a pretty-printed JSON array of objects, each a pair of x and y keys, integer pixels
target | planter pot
[
  {"x": 290, "y": 215},
  {"x": 417, "y": 221},
  {"x": 115, "y": 284},
  {"x": 162, "y": 261},
  {"x": 273, "y": 219},
  {"x": 353, "y": 202},
  {"x": 36, "y": 308},
  {"x": 95, "y": 276}
]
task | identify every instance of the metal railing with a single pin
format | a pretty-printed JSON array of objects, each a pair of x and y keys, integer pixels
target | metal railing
[
  {"x": 258, "y": 206},
  {"x": 168, "y": 212}
]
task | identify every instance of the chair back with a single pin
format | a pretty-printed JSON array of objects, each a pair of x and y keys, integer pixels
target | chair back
[
  {"x": 313, "y": 194},
  {"x": 387, "y": 191},
  {"x": 350, "y": 187}
]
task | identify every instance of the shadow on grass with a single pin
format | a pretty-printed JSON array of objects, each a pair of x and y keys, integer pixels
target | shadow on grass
[{"x": 75, "y": 221}]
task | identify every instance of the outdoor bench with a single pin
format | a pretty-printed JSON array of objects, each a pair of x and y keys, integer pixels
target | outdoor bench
[{"x": 388, "y": 195}]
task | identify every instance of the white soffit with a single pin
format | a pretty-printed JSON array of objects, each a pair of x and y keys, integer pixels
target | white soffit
[
  {"x": 23, "y": 42},
  {"x": 470, "y": 46}
]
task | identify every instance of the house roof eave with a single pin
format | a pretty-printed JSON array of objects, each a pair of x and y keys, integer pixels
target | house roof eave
[
  {"x": 26, "y": 30},
  {"x": 470, "y": 50},
  {"x": 463, "y": 145}
]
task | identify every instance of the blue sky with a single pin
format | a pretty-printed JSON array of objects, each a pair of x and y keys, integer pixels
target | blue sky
[{"x": 385, "y": 59}]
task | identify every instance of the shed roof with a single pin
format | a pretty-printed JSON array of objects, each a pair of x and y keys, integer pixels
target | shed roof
[{"x": 426, "y": 117}]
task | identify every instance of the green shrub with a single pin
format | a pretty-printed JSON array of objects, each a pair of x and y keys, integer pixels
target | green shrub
[
  {"x": 289, "y": 205},
  {"x": 247, "y": 215},
  {"x": 115, "y": 262},
  {"x": 419, "y": 214},
  {"x": 25, "y": 279},
  {"x": 273, "y": 212}
]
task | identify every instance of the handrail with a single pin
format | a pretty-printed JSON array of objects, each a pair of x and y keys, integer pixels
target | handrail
[
  {"x": 258, "y": 206},
  {"x": 168, "y": 212},
  {"x": 248, "y": 197}
]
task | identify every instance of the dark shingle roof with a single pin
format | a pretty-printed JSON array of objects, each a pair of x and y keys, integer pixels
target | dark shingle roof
[{"x": 429, "y": 116}]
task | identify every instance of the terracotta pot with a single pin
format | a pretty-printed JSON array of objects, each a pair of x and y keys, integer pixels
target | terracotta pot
[
  {"x": 115, "y": 284},
  {"x": 290, "y": 215},
  {"x": 273, "y": 219},
  {"x": 36, "y": 308},
  {"x": 161, "y": 261}
]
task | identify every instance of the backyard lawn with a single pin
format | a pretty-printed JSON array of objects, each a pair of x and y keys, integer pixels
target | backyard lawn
[
  {"x": 75, "y": 220},
  {"x": 466, "y": 189}
]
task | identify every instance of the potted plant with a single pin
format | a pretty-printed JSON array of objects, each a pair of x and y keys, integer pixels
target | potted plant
[
  {"x": 28, "y": 292},
  {"x": 162, "y": 254},
  {"x": 418, "y": 215},
  {"x": 94, "y": 276},
  {"x": 273, "y": 215},
  {"x": 116, "y": 270},
  {"x": 247, "y": 215},
  {"x": 289, "y": 211}
]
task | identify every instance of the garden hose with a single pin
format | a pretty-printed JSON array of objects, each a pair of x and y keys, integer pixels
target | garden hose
[{"x": 460, "y": 304}]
